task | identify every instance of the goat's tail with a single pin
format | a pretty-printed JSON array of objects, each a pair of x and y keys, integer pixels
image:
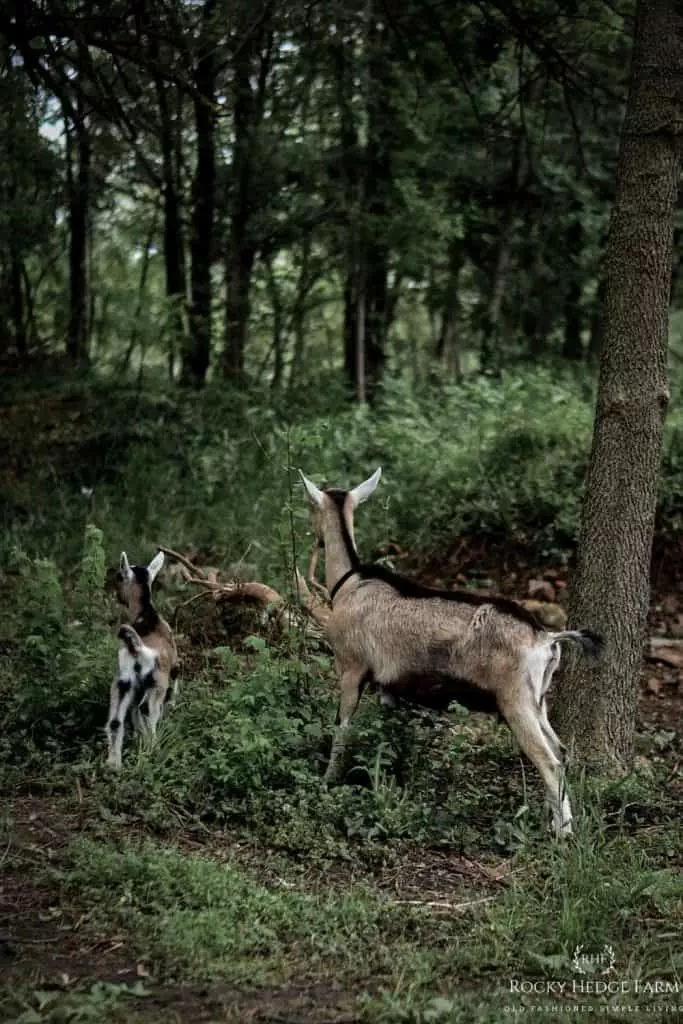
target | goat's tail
[
  {"x": 130, "y": 640},
  {"x": 591, "y": 643}
]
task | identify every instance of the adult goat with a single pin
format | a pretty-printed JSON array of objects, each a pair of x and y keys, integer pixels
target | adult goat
[{"x": 432, "y": 647}]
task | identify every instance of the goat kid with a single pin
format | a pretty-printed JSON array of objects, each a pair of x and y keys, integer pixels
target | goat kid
[
  {"x": 431, "y": 647},
  {"x": 147, "y": 658}
]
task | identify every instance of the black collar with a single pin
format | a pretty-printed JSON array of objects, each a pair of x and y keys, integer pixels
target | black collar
[{"x": 340, "y": 583}]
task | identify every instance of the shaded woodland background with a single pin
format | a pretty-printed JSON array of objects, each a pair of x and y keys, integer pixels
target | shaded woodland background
[{"x": 282, "y": 192}]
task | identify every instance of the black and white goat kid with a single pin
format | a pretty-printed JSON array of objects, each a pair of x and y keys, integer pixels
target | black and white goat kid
[
  {"x": 147, "y": 658},
  {"x": 431, "y": 647}
]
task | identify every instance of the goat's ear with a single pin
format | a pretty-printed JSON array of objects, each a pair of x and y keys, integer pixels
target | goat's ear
[
  {"x": 154, "y": 567},
  {"x": 314, "y": 493},
  {"x": 364, "y": 490},
  {"x": 124, "y": 564}
]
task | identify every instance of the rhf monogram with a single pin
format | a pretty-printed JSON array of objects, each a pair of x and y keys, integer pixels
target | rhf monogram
[{"x": 594, "y": 963}]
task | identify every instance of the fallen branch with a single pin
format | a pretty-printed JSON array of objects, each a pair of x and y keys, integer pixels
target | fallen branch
[
  {"x": 250, "y": 590},
  {"x": 180, "y": 558},
  {"x": 442, "y": 905}
]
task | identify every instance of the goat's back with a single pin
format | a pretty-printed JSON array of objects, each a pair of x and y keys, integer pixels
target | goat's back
[{"x": 403, "y": 637}]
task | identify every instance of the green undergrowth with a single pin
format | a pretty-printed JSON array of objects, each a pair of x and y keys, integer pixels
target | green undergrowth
[{"x": 216, "y": 472}]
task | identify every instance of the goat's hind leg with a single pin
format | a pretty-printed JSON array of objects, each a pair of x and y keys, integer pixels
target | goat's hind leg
[
  {"x": 121, "y": 697},
  {"x": 524, "y": 718},
  {"x": 351, "y": 688},
  {"x": 155, "y": 706},
  {"x": 541, "y": 666}
]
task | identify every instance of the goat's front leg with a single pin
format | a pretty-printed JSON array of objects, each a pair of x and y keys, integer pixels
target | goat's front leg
[{"x": 351, "y": 688}]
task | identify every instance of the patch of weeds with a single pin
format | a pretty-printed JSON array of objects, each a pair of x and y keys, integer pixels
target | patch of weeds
[
  {"x": 57, "y": 667},
  {"x": 99, "y": 1002}
]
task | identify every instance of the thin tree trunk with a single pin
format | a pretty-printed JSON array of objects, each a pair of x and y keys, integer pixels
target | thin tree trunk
[
  {"x": 278, "y": 333},
  {"x": 18, "y": 317},
  {"x": 299, "y": 313},
  {"x": 596, "y": 331},
  {"x": 170, "y": 131},
  {"x": 360, "y": 343},
  {"x": 493, "y": 328},
  {"x": 447, "y": 351},
  {"x": 573, "y": 320},
  {"x": 369, "y": 201},
  {"x": 144, "y": 269},
  {"x": 78, "y": 179},
  {"x": 241, "y": 250},
  {"x": 31, "y": 332},
  {"x": 174, "y": 246},
  {"x": 491, "y": 357},
  {"x": 344, "y": 73},
  {"x": 197, "y": 352},
  {"x": 596, "y": 702},
  {"x": 376, "y": 202}
]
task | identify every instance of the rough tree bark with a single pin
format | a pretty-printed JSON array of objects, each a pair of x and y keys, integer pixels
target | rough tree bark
[{"x": 596, "y": 703}]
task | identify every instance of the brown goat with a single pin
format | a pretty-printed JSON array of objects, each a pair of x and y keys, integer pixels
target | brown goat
[
  {"x": 147, "y": 658},
  {"x": 432, "y": 647}
]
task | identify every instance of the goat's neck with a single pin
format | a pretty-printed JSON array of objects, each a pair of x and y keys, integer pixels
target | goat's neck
[
  {"x": 142, "y": 615},
  {"x": 340, "y": 550}
]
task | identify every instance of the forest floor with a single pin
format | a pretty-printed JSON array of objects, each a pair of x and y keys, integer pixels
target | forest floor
[{"x": 50, "y": 941}]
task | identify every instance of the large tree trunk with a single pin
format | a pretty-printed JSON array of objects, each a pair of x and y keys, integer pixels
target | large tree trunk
[
  {"x": 197, "y": 353},
  {"x": 78, "y": 181},
  {"x": 596, "y": 703}
]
